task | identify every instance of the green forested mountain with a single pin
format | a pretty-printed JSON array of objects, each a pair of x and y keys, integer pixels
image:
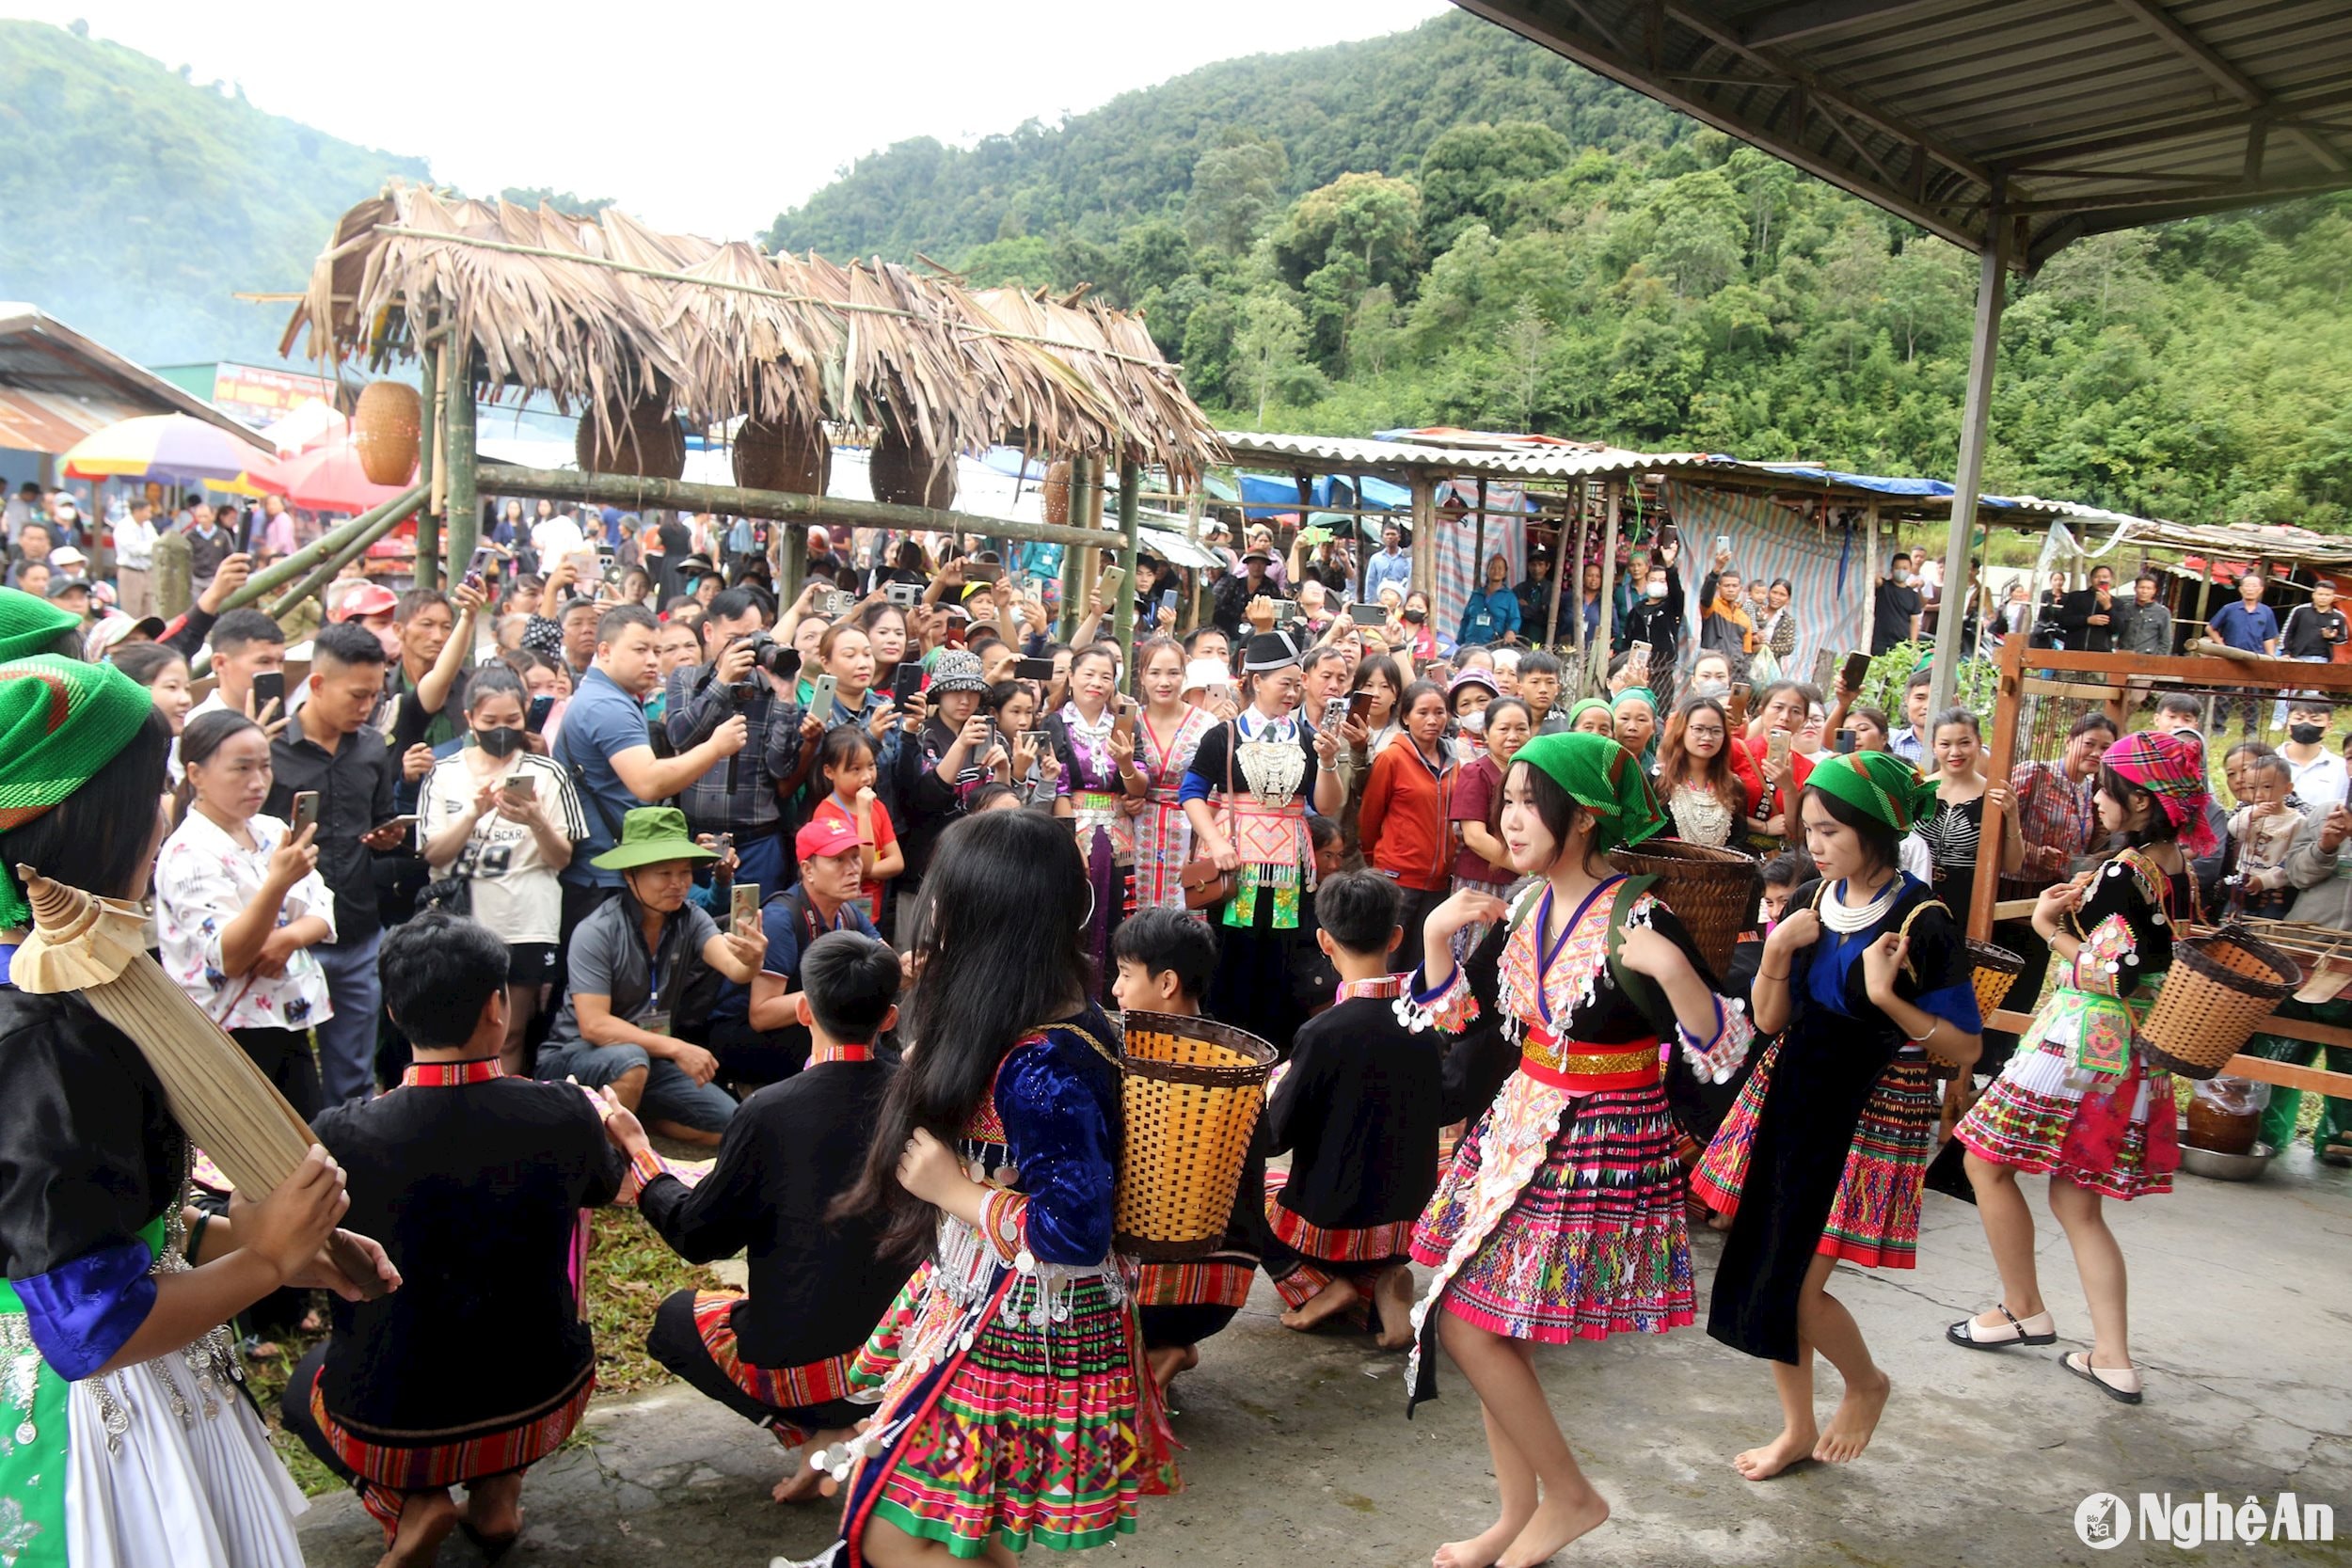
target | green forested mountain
[
  {"x": 136, "y": 201},
  {"x": 1452, "y": 225}
]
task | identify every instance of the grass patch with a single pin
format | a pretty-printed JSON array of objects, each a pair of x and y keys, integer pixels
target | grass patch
[{"x": 629, "y": 1271}]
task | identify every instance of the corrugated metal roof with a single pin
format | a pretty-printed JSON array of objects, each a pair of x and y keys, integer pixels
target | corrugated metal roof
[
  {"x": 56, "y": 385},
  {"x": 2081, "y": 115}
]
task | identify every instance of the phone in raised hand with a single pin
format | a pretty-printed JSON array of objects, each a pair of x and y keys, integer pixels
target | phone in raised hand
[
  {"x": 306, "y": 810},
  {"x": 743, "y": 907}
]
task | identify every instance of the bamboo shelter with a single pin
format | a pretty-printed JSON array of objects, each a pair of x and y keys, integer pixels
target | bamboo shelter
[{"x": 619, "y": 322}]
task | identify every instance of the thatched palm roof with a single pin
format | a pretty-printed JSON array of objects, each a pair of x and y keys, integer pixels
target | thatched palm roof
[{"x": 602, "y": 313}]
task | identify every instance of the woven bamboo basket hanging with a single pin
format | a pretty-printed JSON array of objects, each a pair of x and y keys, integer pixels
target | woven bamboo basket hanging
[
  {"x": 905, "y": 473},
  {"x": 386, "y": 430},
  {"x": 1714, "y": 893},
  {"x": 1193, "y": 1090},
  {"x": 1992, "y": 970},
  {"x": 1056, "y": 491},
  {"x": 2217, "y": 993},
  {"x": 645, "y": 440},
  {"x": 774, "y": 454}
]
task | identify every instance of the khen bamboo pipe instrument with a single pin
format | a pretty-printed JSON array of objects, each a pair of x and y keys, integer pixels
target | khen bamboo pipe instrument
[{"x": 97, "y": 947}]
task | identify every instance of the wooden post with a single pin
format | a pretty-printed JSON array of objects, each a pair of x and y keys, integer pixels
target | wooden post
[
  {"x": 1597, "y": 657},
  {"x": 174, "y": 588},
  {"x": 1085, "y": 471},
  {"x": 1478, "y": 548},
  {"x": 1975, "y": 415},
  {"x": 1123, "y": 612},
  {"x": 1425, "y": 578},
  {"x": 1870, "y": 577},
  {"x": 465, "y": 512},
  {"x": 2008, "y": 709},
  {"x": 434, "y": 389},
  {"x": 1583, "y": 526},
  {"x": 1559, "y": 570}
]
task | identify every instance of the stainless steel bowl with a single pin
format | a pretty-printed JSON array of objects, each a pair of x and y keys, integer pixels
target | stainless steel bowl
[{"x": 2227, "y": 1168}]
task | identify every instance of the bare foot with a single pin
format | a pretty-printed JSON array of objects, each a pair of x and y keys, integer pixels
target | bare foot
[
  {"x": 1326, "y": 1304},
  {"x": 425, "y": 1521},
  {"x": 493, "y": 1514},
  {"x": 1789, "y": 1448},
  {"x": 1393, "y": 1299},
  {"x": 1480, "y": 1550},
  {"x": 1168, "y": 1360},
  {"x": 1856, "y": 1418},
  {"x": 801, "y": 1485},
  {"x": 1717, "y": 1220},
  {"x": 1558, "y": 1521}
]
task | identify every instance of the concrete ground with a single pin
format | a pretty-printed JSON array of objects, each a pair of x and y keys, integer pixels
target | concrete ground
[{"x": 1298, "y": 1452}]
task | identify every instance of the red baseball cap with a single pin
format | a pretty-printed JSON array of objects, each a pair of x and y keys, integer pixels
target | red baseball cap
[
  {"x": 371, "y": 598},
  {"x": 823, "y": 838}
]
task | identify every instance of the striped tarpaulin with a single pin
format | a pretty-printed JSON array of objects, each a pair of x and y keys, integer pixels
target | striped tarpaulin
[
  {"x": 1825, "y": 568},
  {"x": 1459, "y": 569}
]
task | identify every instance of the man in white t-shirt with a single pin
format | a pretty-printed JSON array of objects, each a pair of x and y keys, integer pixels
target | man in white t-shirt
[
  {"x": 135, "y": 559},
  {"x": 557, "y": 538}
]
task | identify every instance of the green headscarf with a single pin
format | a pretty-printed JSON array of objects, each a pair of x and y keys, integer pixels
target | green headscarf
[
  {"x": 1579, "y": 710},
  {"x": 1878, "y": 784},
  {"x": 1601, "y": 775},
  {"x": 60, "y": 722},
  {"x": 1658, "y": 721},
  {"x": 29, "y": 626}
]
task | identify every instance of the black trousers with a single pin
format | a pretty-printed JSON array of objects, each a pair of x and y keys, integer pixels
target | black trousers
[
  {"x": 753, "y": 1057},
  {"x": 286, "y": 1059},
  {"x": 677, "y": 1344}
]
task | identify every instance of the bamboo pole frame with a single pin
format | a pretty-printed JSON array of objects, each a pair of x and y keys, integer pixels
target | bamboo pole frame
[
  {"x": 330, "y": 569},
  {"x": 1597, "y": 657},
  {"x": 321, "y": 549},
  {"x": 1123, "y": 612},
  {"x": 2007, "y": 713},
  {"x": 460, "y": 461}
]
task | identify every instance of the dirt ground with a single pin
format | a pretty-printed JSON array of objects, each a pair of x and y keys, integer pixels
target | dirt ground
[{"x": 1298, "y": 1452}]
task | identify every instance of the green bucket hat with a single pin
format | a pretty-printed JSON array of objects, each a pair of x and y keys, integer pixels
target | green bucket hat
[
  {"x": 29, "y": 626},
  {"x": 61, "y": 720},
  {"x": 649, "y": 836}
]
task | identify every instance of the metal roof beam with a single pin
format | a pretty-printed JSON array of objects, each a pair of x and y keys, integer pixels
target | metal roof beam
[
  {"x": 1814, "y": 18},
  {"x": 1567, "y": 29},
  {"x": 2202, "y": 54},
  {"x": 2170, "y": 127}
]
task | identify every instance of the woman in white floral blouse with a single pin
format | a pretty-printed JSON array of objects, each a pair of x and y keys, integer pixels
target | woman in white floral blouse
[{"x": 239, "y": 905}]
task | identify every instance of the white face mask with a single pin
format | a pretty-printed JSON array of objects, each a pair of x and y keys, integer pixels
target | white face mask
[
  {"x": 1902, "y": 576},
  {"x": 1655, "y": 589}
]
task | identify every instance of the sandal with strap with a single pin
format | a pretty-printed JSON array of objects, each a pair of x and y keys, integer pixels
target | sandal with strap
[
  {"x": 1969, "y": 1337},
  {"x": 2078, "y": 1363}
]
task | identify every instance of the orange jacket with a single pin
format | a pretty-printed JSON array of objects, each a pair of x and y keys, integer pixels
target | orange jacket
[{"x": 1403, "y": 826}]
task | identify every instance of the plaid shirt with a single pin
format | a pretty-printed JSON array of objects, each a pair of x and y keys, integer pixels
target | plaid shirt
[
  {"x": 694, "y": 706},
  {"x": 2053, "y": 812}
]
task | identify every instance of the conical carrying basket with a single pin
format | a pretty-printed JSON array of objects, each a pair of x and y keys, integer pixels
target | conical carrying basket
[
  {"x": 1992, "y": 970},
  {"x": 1193, "y": 1090},
  {"x": 2218, "y": 992},
  {"x": 1714, "y": 893}
]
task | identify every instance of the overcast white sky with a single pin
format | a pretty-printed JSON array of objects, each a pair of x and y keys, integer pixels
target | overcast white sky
[{"x": 712, "y": 117}]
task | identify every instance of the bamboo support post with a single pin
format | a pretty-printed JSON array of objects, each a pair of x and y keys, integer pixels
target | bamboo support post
[
  {"x": 1598, "y": 656},
  {"x": 430, "y": 469},
  {"x": 1123, "y": 617},
  {"x": 459, "y": 463},
  {"x": 306, "y": 559},
  {"x": 1425, "y": 578}
]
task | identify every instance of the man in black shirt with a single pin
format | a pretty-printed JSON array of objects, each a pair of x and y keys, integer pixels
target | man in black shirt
[
  {"x": 780, "y": 1355},
  {"x": 1894, "y": 617},
  {"x": 481, "y": 1363},
  {"x": 329, "y": 749},
  {"x": 1230, "y": 606},
  {"x": 1535, "y": 596},
  {"x": 2087, "y": 616},
  {"x": 2313, "y": 633},
  {"x": 1656, "y": 619}
]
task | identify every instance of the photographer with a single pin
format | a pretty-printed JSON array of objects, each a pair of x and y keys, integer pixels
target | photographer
[
  {"x": 744, "y": 798},
  {"x": 607, "y": 747}
]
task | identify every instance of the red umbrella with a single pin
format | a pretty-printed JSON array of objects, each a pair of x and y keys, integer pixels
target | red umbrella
[{"x": 324, "y": 479}]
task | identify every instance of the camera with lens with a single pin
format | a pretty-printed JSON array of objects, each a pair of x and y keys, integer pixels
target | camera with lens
[{"x": 780, "y": 660}]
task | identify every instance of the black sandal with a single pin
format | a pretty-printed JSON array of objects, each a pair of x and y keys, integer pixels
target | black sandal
[
  {"x": 2090, "y": 1374},
  {"x": 1962, "y": 1334}
]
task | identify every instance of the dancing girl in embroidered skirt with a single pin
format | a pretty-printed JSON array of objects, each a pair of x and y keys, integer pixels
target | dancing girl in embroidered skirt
[
  {"x": 1562, "y": 1217},
  {"x": 1103, "y": 789},
  {"x": 1246, "y": 796},
  {"x": 1013, "y": 1408},
  {"x": 1168, "y": 733},
  {"x": 127, "y": 1440},
  {"x": 2079, "y": 1101},
  {"x": 1829, "y": 1140}
]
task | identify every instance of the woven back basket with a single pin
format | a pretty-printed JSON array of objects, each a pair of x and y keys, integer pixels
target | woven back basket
[
  {"x": 2217, "y": 990},
  {"x": 1713, "y": 892},
  {"x": 1993, "y": 970},
  {"x": 906, "y": 474},
  {"x": 1193, "y": 1090},
  {"x": 386, "y": 428},
  {"x": 774, "y": 454},
  {"x": 645, "y": 440}
]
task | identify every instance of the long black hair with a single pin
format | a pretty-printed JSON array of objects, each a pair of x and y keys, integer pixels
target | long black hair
[
  {"x": 102, "y": 837},
  {"x": 2161, "y": 829},
  {"x": 1003, "y": 953},
  {"x": 1882, "y": 841}
]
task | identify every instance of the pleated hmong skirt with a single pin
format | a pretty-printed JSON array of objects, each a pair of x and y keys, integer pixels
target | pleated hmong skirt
[
  {"x": 2025, "y": 1116},
  {"x": 1033, "y": 1434},
  {"x": 1594, "y": 1241},
  {"x": 1874, "y": 1220}
]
